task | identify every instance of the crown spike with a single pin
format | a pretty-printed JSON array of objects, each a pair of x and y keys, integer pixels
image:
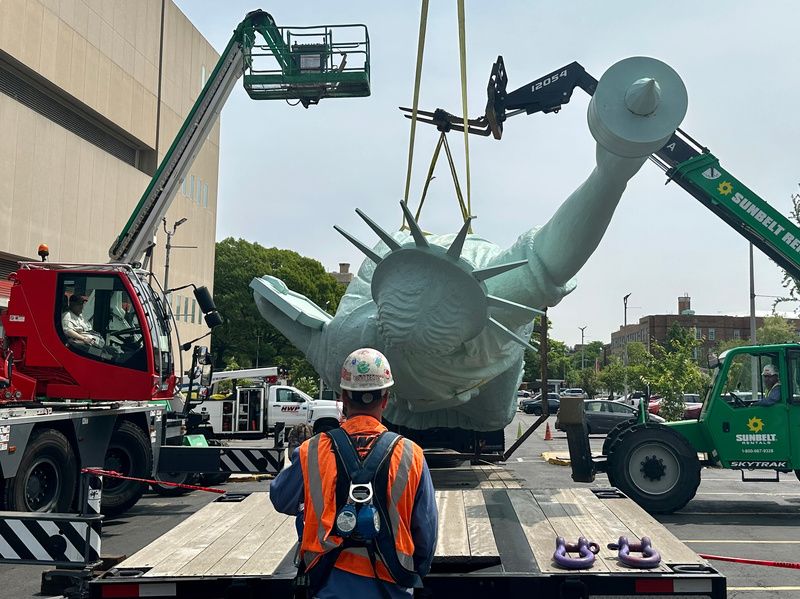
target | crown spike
[
  {"x": 523, "y": 311},
  {"x": 385, "y": 237},
  {"x": 416, "y": 232},
  {"x": 492, "y": 271},
  {"x": 511, "y": 335},
  {"x": 369, "y": 253},
  {"x": 454, "y": 251}
]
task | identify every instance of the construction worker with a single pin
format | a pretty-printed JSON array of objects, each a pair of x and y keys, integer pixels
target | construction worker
[
  {"x": 773, "y": 383},
  {"x": 369, "y": 511}
]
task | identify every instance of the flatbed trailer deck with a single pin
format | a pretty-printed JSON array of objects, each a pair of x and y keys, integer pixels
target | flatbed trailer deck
[{"x": 495, "y": 535}]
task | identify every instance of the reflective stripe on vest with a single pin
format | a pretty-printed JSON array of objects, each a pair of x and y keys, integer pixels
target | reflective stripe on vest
[{"x": 318, "y": 463}]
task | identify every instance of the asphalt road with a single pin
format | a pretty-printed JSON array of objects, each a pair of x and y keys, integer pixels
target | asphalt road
[{"x": 728, "y": 518}]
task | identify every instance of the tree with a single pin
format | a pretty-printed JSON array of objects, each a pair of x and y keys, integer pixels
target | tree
[
  {"x": 776, "y": 329},
  {"x": 789, "y": 283},
  {"x": 673, "y": 372},
  {"x": 245, "y": 333},
  {"x": 591, "y": 352},
  {"x": 612, "y": 377}
]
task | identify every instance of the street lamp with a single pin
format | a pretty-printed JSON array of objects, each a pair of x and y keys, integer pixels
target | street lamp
[
  {"x": 625, "y": 339},
  {"x": 583, "y": 349},
  {"x": 169, "y": 246}
]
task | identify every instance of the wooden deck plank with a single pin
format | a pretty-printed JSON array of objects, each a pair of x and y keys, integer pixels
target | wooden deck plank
[
  {"x": 479, "y": 528},
  {"x": 205, "y": 561},
  {"x": 265, "y": 527},
  {"x": 641, "y": 523},
  {"x": 171, "y": 563},
  {"x": 540, "y": 534},
  {"x": 564, "y": 526},
  {"x": 151, "y": 554},
  {"x": 272, "y": 552},
  {"x": 453, "y": 538}
]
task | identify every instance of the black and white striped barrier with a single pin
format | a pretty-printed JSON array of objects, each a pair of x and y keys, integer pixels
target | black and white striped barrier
[
  {"x": 253, "y": 460},
  {"x": 66, "y": 540}
]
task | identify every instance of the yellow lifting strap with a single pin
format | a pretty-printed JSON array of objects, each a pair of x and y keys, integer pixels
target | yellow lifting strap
[{"x": 466, "y": 209}]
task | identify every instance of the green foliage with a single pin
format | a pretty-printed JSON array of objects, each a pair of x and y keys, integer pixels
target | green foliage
[
  {"x": 673, "y": 372},
  {"x": 245, "y": 333},
  {"x": 591, "y": 352},
  {"x": 586, "y": 379},
  {"x": 776, "y": 329},
  {"x": 612, "y": 377},
  {"x": 307, "y": 384}
]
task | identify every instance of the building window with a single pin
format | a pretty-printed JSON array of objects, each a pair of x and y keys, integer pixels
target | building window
[
  {"x": 191, "y": 186},
  {"x": 177, "y": 307},
  {"x": 194, "y": 310},
  {"x": 205, "y": 195},
  {"x": 186, "y": 309},
  {"x": 698, "y": 333},
  {"x": 712, "y": 334},
  {"x": 737, "y": 334}
]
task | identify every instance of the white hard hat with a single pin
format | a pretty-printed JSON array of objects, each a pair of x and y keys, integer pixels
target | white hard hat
[
  {"x": 366, "y": 369},
  {"x": 769, "y": 370}
]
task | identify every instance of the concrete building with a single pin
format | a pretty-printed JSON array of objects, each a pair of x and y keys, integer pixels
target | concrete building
[
  {"x": 712, "y": 329},
  {"x": 92, "y": 93}
]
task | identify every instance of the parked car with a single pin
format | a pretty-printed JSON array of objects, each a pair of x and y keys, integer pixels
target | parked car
[
  {"x": 691, "y": 409},
  {"x": 603, "y": 415},
  {"x": 632, "y": 399},
  {"x": 533, "y": 405},
  {"x": 575, "y": 392}
]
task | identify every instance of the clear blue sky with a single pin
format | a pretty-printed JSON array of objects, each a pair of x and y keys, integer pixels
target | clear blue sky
[{"x": 287, "y": 175}]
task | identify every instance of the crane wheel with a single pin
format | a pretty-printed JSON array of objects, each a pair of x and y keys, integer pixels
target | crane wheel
[
  {"x": 184, "y": 478},
  {"x": 129, "y": 453},
  {"x": 217, "y": 478},
  {"x": 655, "y": 466},
  {"x": 46, "y": 477}
]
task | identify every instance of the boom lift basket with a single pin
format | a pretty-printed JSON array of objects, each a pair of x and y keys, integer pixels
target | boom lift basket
[{"x": 307, "y": 63}]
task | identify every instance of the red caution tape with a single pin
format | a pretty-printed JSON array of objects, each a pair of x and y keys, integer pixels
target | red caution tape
[
  {"x": 753, "y": 562},
  {"x": 115, "y": 474}
]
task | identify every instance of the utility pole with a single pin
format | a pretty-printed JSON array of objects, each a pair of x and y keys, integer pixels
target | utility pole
[
  {"x": 625, "y": 332},
  {"x": 583, "y": 349}
]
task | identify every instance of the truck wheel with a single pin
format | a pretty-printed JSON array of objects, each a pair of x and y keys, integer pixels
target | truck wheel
[
  {"x": 46, "y": 477},
  {"x": 656, "y": 467},
  {"x": 128, "y": 453},
  {"x": 218, "y": 478},
  {"x": 184, "y": 478},
  {"x": 325, "y": 424}
]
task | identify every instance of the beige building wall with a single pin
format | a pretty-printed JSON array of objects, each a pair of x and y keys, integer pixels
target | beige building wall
[{"x": 101, "y": 58}]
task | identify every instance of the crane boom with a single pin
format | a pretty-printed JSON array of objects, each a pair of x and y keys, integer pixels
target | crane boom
[{"x": 306, "y": 73}]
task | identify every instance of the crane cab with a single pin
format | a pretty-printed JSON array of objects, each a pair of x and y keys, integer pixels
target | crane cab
[{"x": 91, "y": 332}]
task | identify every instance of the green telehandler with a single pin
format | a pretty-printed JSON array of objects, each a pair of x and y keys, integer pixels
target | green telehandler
[{"x": 658, "y": 465}]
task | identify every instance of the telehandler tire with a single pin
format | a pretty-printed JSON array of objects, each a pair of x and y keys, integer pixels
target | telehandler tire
[
  {"x": 656, "y": 467},
  {"x": 614, "y": 433}
]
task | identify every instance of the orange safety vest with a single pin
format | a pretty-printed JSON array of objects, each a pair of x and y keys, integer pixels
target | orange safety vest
[{"x": 318, "y": 462}]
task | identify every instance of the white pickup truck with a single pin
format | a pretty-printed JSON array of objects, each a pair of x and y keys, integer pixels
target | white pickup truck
[{"x": 252, "y": 410}]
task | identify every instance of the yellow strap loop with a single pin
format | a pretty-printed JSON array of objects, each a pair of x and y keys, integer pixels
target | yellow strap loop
[
  {"x": 462, "y": 46},
  {"x": 423, "y": 21}
]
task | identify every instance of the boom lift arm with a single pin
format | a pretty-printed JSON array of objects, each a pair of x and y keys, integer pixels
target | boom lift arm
[
  {"x": 684, "y": 160},
  {"x": 306, "y": 73}
]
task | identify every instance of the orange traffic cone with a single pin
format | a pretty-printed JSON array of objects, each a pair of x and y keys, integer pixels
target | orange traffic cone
[{"x": 548, "y": 436}]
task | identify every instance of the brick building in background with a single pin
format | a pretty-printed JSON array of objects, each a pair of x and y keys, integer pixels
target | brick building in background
[{"x": 712, "y": 329}]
